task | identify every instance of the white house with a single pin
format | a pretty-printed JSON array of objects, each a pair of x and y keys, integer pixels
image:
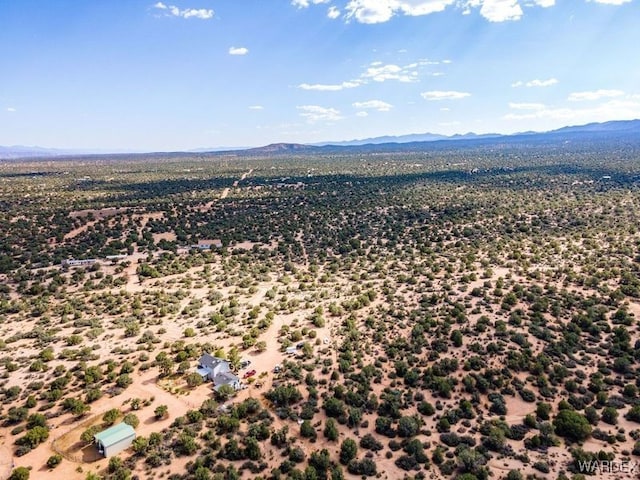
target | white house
[
  {"x": 77, "y": 263},
  {"x": 218, "y": 371}
]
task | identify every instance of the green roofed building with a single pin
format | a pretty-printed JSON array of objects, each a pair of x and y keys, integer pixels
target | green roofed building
[{"x": 114, "y": 439}]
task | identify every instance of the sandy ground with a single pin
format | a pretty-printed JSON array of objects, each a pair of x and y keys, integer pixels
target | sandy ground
[
  {"x": 145, "y": 385},
  {"x": 65, "y": 430},
  {"x": 168, "y": 236},
  {"x": 246, "y": 245},
  {"x": 6, "y": 459}
]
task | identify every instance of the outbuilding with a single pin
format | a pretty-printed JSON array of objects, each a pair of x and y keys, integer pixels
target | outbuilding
[{"x": 114, "y": 439}]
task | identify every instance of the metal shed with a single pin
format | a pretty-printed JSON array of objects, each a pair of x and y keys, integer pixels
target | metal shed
[{"x": 114, "y": 439}]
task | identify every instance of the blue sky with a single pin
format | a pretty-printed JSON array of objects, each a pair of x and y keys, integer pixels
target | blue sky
[{"x": 184, "y": 74}]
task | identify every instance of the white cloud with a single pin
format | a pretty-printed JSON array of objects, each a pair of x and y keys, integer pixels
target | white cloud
[
  {"x": 535, "y": 83},
  {"x": 172, "y": 10},
  {"x": 381, "y": 73},
  {"x": 423, "y": 7},
  {"x": 329, "y": 87},
  {"x": 379, "y": 11},
  {"x": 542, "y": 83},
  {"x": 238, "y": 51},
  {"x": 333, "y": 12},
  {"x": 306, "y": 3},
  {"x": 362, "y": 113},
  {"x": 370, "y": 11},
  {"x": 378, "y": 105},
  {"x": 202, "y": 13},
  {"x": 444, "y": 95},
  {"x": 256, "y": 107},
  {"x": 526, "y": 106},
  {"x": 503, "y": 10},
  {"x": 594, "y": 95},
  {"x": 315, "y": 113},
  {"x": 500, "y": 10},
  {"x": 376, "y": 72},
  {"x": 11, "y": 109},
  {"x": 617, "y": 109}
]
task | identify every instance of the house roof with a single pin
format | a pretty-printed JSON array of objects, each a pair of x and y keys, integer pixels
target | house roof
[
  {"x": 225, "y": 378},
  {"x": 115, "y": 434},
  {"x": 209, "y": 361}
]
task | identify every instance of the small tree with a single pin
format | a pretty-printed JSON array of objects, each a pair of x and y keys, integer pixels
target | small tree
[
  {"x": 634, "y": 414},
  {"x": 140, "y": 445},
  {"x": 34, "y": 437},
  {"x": 331, "y": 430},
  {"x": 348, "y": 451},
  {"x": 307, "y": 430},
  {"x": 54, "y": 460},
  {"x": 131, "y": 419},
  {"x": 194, "y": 379},
  {"x": 225, "y": 392},
  {"x": 610, "y": 415},
  {"x": 456, "y": 338},
  {"x": 572, "y": 426},
  {"x": 543, "y": 410},
  {"x": 161, "y": 412},
  {"x": 514, "y": 475},
  {"x": 111, "y": 416},
  {"x": 408, "y": 426},
  {"x": 20, "y": 473},
  {"x": 252, "y": 449},
  {"x": 89, "y": 433}
]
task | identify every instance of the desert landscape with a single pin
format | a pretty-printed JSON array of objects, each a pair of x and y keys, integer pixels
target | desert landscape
[
  {"x": 447, "y": 313},
  {"x": 319, "y": 240}
]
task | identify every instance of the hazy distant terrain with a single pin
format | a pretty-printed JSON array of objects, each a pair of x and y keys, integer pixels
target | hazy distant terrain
[
  {"x": 596, "y": 131},
  {"x": 458, "y": 309}
]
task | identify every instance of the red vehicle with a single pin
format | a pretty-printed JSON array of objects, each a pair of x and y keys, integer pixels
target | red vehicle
[{"x": 250, "y": 373}]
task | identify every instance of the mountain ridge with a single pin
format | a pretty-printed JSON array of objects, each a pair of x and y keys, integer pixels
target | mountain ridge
[
  {"x": 409, "y": 142},
  {"x": 595, "y": 130}
]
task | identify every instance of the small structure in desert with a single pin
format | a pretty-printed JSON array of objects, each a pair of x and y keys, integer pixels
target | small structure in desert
[
  {"x": 114, "y": 439},
  {"x": 207, "y": 244},
  {"x": 72, "y": 262}
]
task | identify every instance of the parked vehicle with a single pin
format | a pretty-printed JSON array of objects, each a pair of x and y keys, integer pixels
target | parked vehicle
[{"x": 250, "y": 373}]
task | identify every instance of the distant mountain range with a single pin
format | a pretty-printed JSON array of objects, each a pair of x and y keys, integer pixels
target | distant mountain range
[
  {"x": 21, "y": 151},
  {"x": 414, "y": 137},
  {"x": 608, "y": 131},
  {"x": 614, "y": 130}
]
